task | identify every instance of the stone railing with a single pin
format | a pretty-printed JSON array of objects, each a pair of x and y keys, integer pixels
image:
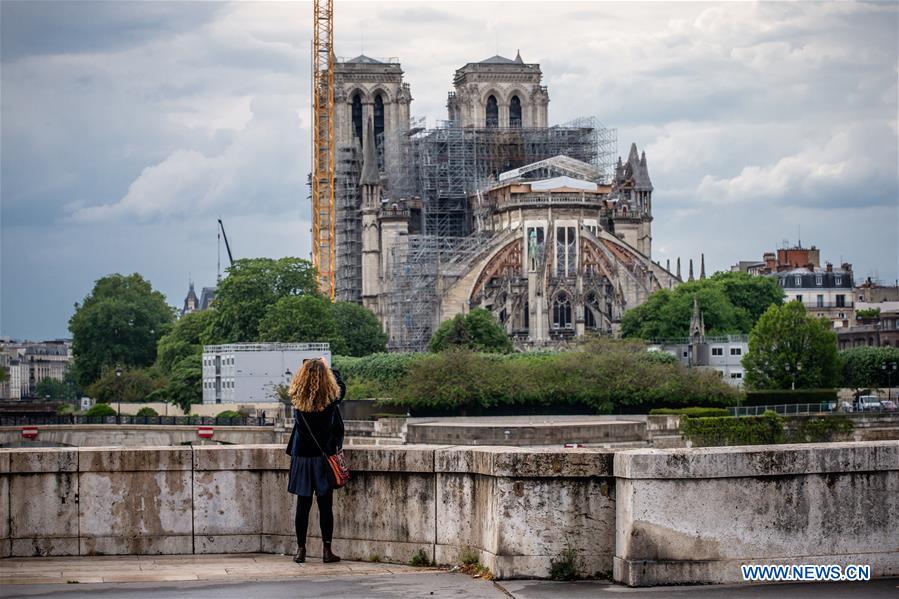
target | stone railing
[{"x": 689, "y": 515}]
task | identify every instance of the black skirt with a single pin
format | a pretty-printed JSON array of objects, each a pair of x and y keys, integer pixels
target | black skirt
[{"x": 308, "y": 475}]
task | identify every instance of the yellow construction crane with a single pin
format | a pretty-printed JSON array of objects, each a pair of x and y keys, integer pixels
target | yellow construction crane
[{"x": 323, "y": 144}]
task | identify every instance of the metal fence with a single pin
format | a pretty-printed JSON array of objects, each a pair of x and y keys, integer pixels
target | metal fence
[
  {"x": 123, "y": 419},
  {"x": 797, "y": 409}
]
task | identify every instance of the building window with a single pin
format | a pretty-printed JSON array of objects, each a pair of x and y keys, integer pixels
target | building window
[
  {"x": 717, "y": 351},
  {"x": 841, "y": 301},
  {"x": 736, "y": 375},
  {"x": 357, "y": 117},
  {"x": 562, "y": 311},
  {"x": 837, "y": 281},
  {"x": 797, "y": 281},
  {"x": 736, "y": 351},
  {"x": 492, "y": 112},
  {"x": 799, "y": 298},
  {"x": 566, "y": 251},
  {"x": 515, "y": 112},
  {"x": 820, "y": 301},
  {"x": 379, "y": 119},
  {"x": 819, "y": 280},
  {"x": 535, "y": 248}
]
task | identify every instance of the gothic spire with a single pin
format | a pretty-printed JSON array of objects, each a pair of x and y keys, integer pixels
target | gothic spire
[
  {"x": 690, "y": 277},
  {"x": 702, "y": 267},
  {"x": 678, "y": 269},
  {"x": 697, "y": 323},
  {"x": 518, "y": 57},
  {"x": 370, "y": 175}
]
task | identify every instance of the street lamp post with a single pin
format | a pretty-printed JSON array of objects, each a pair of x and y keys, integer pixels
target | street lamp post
[
  {"x": 793, "y": 372},
  {"x": 889, "y": 369},
  {"x": 118, "y": 379}
]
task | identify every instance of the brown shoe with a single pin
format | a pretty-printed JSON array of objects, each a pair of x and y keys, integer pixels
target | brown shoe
[
  {"x": 328, "y": 556},
  {"x": 300, "y": 557}
]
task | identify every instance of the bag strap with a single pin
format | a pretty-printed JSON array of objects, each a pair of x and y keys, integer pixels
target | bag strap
[{"x": 308, "y": 428}]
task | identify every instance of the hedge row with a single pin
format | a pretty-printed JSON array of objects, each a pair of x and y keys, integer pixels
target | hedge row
[
  {"x": 767, "y": 429},
  {"x": 788, "y": 396},
  {"x": 693, "y": 412}
]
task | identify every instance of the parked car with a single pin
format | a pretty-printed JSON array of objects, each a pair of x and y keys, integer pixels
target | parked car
[
  {"x": 868, "y": 403},
  {"x": 889, "y": 405}
]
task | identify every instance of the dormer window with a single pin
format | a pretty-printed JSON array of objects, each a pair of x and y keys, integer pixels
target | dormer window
[
  {"x": 819, "y": 280},
  {"x": 838, "y": 280},
  {"x": 797, "y": 281}
]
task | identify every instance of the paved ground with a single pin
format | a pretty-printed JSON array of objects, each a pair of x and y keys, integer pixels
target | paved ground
[{"x": 273, "y": 576}]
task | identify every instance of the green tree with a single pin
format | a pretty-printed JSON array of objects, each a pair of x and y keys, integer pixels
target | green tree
[
  {"x": 147, "y": 412},
  {"x": 730, "y": 303},
  {"x": 55, "y": 390},
  {"x": 185, "y": 386},
  {"x": 359, "y": 328},
  {"x": 134, "y": 385},
  {"x": 184, "y": 339},
  {"x": 477, "y": 331},
  {"x": 788, "y": 345},
  {"x": 251, "y": 287},
  {"x": 118, "y": 323},
  {"x": 864, "y": 366},
  {"x": 301, "y": 319}
]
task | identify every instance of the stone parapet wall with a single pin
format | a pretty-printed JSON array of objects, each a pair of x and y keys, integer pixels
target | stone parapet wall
[
  {"x": 654, "y": 516},
  {"x": 696, "y": 515},
  {"x": 517, "y": 508}
]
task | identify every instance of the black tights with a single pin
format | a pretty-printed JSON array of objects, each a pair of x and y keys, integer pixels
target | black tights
[{"x": 325, "y": 516}]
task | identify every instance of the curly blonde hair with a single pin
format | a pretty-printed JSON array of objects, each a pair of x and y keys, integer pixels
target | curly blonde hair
[{"x": 314, "y": 387}]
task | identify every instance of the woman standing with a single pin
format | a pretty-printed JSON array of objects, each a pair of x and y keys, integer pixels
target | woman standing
[{"x": 317, "y": 431}]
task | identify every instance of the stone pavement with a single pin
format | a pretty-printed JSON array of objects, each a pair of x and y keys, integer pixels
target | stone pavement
[{"x": 265, "y": 576}]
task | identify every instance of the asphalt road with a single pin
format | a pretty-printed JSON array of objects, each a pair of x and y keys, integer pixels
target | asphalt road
[{"x": 442, "y": 585}]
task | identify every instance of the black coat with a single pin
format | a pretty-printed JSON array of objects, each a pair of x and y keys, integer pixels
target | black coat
[{"x": 327, "y": 426}]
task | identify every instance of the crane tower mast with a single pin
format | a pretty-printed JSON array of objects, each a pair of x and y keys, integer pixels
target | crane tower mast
[{"x": 323, "y": 243}]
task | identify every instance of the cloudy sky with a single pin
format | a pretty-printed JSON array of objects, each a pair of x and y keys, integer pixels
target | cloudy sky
[{"x": 129, "y": 127}]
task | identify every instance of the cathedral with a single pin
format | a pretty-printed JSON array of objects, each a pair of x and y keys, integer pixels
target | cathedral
[{"x": 493, "y": 208}]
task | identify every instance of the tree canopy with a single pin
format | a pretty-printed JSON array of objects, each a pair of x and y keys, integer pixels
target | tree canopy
[
  {"x": 56, "y": 390},
  {"x": 118, "y": 323},
  {"x": 731, "y": 303},
  {"x": 477, "y": 331},
  {"x": 864, "y": 366},
  {"x": 298, "y": 319},
  {"x": 787, "y": 345},
  {"x": 251, "y": 287},
  {"x": 184, "y": 339},
  {"x": 359, "y": 329},
  {"x": 134, "y": 385}
]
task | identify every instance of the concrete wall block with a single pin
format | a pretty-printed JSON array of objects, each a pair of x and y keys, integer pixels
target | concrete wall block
[
  {"x": 466, "y": 508},
  {"x": 118, "y": 459},
  {"x": 4, "y": 460},
  {"x": 543, "y": 517},
  {"x": 5, "y": 548},
  {"x": 135, "y": 504},
  {"x": 44, "y": 547},
  {"x": 284, "y": 544},
  {"x": 399, "y": 458},
  {"x": 42, "y": 459},
  {"x": 761, "y": 460},
  {"x": 45, "y": 505},
  {"x": 4, "y": 508},
  {"x": 278, "y": 506},
  {"x": 395, "y": 552},
  {"x": 137, "y": 545},
  {"x": 241, "y": 457},
  {"x": 525, "y": 461},
  {"x": 227, "y": 502},
  {"x": 249, "y": 543}
]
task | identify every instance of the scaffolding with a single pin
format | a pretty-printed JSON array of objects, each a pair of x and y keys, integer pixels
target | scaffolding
[
  {"x": 422, "y": 268},
  {"x": 444, "y": 166},
  {"x": 348, "y": 225}
]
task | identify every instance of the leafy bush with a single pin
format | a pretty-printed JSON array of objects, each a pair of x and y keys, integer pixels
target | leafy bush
[
  {"x": 228, "y": 414},
  {"x": 381, "y": 367},
  {"x": 692, "y": 412},
  {"x": 565, "y": 566},
  {"x": 421, "y": 560},
  {"x": 611, "y": 377},
  {"x": 789, "y": 396},
  {"x": 476, "y": 331},
  {"x": 65, "y": 409},
  {"x": 767, "y": 429},
  {"x": 147, "y": 411},
  {"x": 823, "y": 429},
  {"x": 100, "y": 410},
  {"x": 867, "y": 313}
]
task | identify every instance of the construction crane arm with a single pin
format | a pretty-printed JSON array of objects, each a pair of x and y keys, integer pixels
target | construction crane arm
[{"x": 227, "y": 246}]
